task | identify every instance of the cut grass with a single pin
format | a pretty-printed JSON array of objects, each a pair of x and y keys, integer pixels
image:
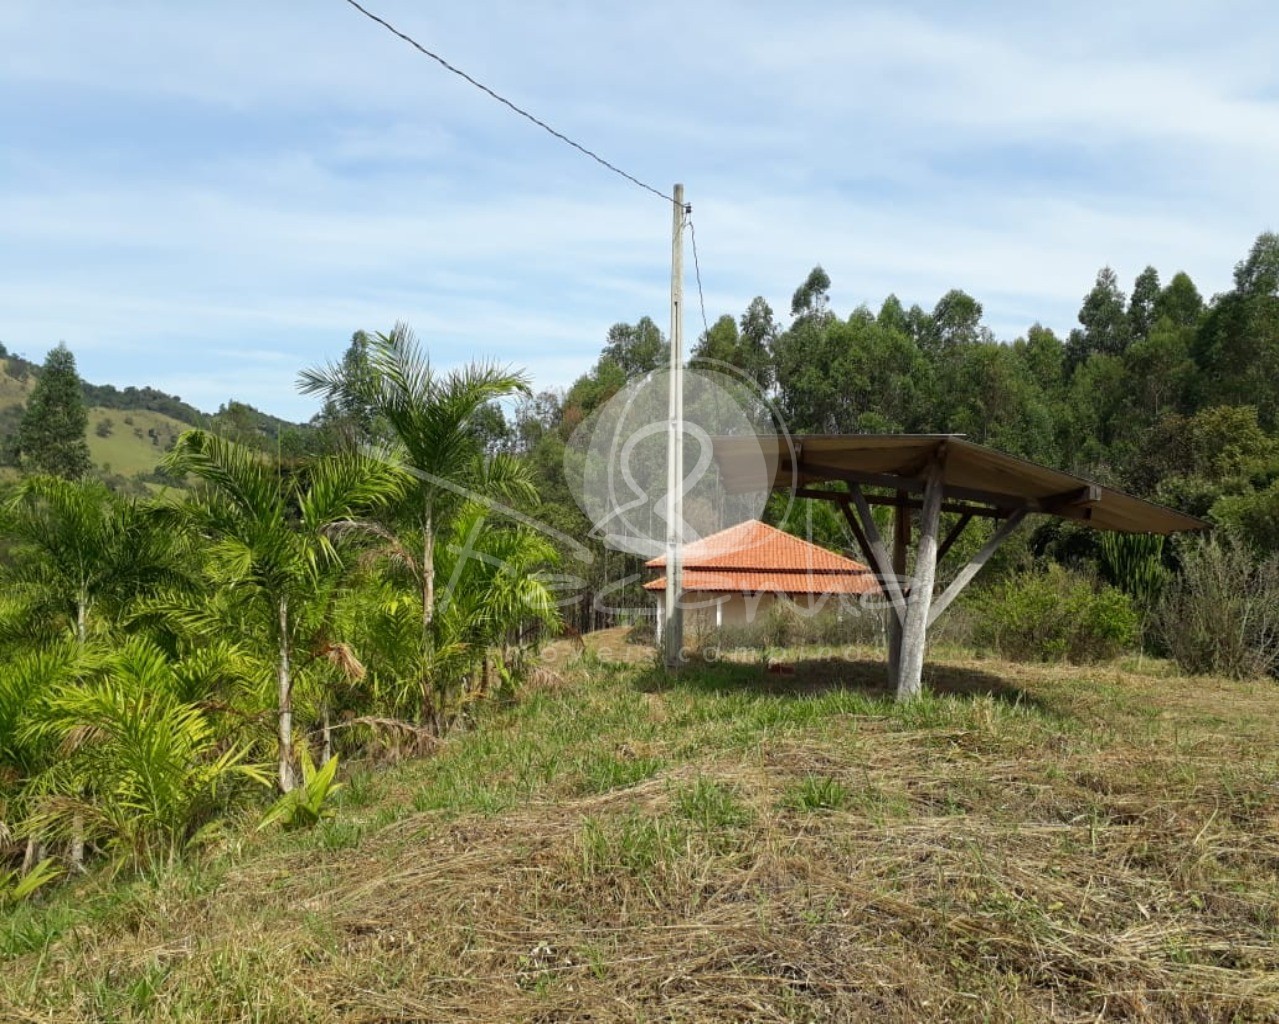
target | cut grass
[{"x": 1026, "y": 843}]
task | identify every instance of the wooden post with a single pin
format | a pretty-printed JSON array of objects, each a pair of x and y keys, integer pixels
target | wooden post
[
  {"x": 964, "y": 519},
  {"x": 915, "y": 628},
  {"x": 901, "y": 541}
]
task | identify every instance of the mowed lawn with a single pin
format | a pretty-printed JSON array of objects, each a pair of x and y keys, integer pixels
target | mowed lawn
[{"x": 1026, "y": 843}]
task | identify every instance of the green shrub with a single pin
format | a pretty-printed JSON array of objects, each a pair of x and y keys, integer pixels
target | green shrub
[
  {"x": 1134, "y": 563},
  {"x": 1052, "y": 615},
  {"x": 309, "y": 803},
  {"x": 1221, "y": 615}
]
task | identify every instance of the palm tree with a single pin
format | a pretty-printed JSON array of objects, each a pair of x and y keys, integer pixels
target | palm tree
[
  {"x": 432, "y": 419},
  {"x": 80, "y": 553},
  {"x": 499, "y": 592},
  {"x": 276, "y": 540},
  {"x": 28, "y": 681},
  {"x": 81, "y": 556}
]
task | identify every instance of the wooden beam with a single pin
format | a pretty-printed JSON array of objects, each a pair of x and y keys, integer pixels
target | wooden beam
[
  {"x": 967, "y": 573},
  {"x": 1080, "y": 497},
  {"x": 953, "y": 507},
  {"x": 964, "y": 519},
  {"x": 879, "y": 554},
  {"x": 917, "y": 486},
  {"x": 920, "y": 466},
  {"x": 915, "y": 626},
  {"x": 858, "y": 532}
]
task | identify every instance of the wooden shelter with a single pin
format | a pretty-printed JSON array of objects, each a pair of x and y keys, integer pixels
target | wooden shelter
[{"x": 931, "y": 474}]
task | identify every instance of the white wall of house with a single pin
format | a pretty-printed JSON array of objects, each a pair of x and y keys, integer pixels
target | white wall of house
[{"x": 714, "y": 609}]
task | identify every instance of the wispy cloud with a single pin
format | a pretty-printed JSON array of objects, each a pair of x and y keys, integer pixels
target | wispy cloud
[{"x": 209, "y": 197}]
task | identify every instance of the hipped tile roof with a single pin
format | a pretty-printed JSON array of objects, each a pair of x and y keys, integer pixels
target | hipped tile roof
[{"x": 753, "y": 557}]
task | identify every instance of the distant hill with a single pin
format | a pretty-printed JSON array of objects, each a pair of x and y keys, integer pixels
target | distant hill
[{"x": 130, "y": 428}]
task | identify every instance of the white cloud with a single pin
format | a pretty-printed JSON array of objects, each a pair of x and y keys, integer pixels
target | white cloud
[{"x": 188, "y": 180}]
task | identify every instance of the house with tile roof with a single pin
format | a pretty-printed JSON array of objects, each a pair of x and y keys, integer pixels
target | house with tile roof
[{"x": 736, "y": 576}]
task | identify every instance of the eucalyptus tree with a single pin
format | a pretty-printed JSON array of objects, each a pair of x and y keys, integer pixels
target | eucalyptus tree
[{"x": 277, "y": 540}]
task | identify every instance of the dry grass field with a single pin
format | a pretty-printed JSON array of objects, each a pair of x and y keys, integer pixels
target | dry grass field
[{"x": 1025, "y": 843}]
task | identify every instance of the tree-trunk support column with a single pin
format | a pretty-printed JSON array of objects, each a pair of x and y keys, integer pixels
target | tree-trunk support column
[
  {"x": 285, "y": 701},
  {"x": 901, "y": 541},
  {"x": 915, "y": 627}
]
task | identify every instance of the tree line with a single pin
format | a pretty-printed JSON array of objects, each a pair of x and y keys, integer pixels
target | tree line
[{"x": 1158, "y": 391}]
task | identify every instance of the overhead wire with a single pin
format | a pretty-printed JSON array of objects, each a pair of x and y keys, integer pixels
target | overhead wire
[
  {"x": 508, "y": 103},
  {"x": 688, "y": 209},
  {"x": 697, "y": 267}
]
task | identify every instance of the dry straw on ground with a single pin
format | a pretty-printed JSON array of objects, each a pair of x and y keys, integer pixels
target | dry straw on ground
[{"x": 1073, "y": 846}]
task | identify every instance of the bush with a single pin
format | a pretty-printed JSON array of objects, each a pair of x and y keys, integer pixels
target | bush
[
  {"x": 1221, "y": 615},
  {"x": 1051, "y": 615}
]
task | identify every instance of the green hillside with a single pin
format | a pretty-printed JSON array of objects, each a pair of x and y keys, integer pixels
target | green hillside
[
  {"x": 129, "y": 430},
  {"x": 135, "y": 440}
]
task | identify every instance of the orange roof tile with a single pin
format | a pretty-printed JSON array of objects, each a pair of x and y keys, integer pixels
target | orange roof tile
[
  {"x": 755, "y": 557},
  {"x": 759, "y": 547},
  {"x": 741, "y": 581}
]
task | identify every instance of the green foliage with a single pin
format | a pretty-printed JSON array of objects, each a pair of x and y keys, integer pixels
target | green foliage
[
  {"x": 1050, "y": 615},
  {"x": 711, "y": 806},
  {"x": 1134, "y": 563},
  {"x": 80, "y": 557},
  {"x": 1221, "y": 615},
  {"x": 276, "y": 542},
  {"x": 1106, "y": 329},
  {"x": 51, "y": 436},
  {"x": 816, "y": 793},
  {"x": 306, "y": 805},
  {"x": 633, "y": 845},
  {"x": 15, "y": 886},
  {"x": 140, "y": 771},
  {"x": 1252, "y": 517}
]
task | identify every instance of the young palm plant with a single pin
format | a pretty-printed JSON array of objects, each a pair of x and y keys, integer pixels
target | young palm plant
[
  {"x": 138, "y": 770},
  {"x": 28, "y": 682},
  {"x": 499, "y": 597},
  {"x": 80, "y": 556},
  {"x": 432, "y": 419},
  {"x": 276, "y": 541}
]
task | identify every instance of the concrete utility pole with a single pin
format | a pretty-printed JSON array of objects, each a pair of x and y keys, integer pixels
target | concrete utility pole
[{"x": 672, "y": 613}]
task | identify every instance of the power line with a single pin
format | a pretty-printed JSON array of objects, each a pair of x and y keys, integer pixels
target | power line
[
  {"x": 505, "y": 102},
  {"x": 697, "y": 266}
]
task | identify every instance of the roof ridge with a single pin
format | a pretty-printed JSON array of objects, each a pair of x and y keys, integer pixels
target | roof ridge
[{"x": 753, "y": 545}]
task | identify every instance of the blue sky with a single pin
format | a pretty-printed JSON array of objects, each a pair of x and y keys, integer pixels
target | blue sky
[{"x": 208, "y": 196}]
